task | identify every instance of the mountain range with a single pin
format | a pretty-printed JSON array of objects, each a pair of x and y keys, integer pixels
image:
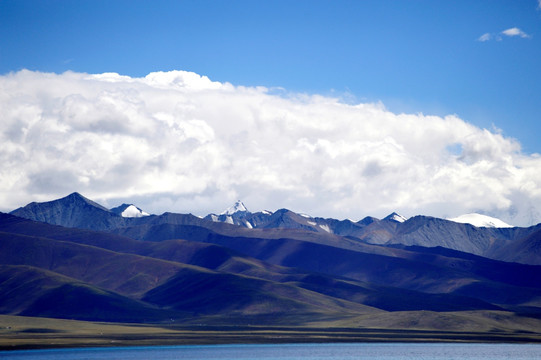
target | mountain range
[
  {"x": 493, "y": 242},
  {"x": 74, "y": 258}
]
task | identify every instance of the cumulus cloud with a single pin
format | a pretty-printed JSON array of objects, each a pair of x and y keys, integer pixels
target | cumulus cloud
[
  {"x": 515, "y": 32},
  {"x": 177, "y": 141},
  {"x": 511, "y": 32}
]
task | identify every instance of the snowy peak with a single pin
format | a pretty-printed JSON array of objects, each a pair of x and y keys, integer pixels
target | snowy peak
[
  {"x": 238, "y": 207},
  {"x": 234, "y": 215},
  {"x": 479, "y": 220},
  {"x": 129, "y": 211},
  {"x": 133, "y": 211},
  {"x": 237, "y": 215},
  {"x": 395, "y": 217}
]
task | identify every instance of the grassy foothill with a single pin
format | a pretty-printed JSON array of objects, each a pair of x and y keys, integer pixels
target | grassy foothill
[{"x": 18, "y": 332}]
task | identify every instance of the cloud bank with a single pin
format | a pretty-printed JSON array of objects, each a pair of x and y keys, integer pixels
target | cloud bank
[{"x": 177, "y": 141}]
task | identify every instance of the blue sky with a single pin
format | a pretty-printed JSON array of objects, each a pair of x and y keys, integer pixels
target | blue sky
[
  {"x": 331, "y": 108},
  {"x": 414, "y": 56}
]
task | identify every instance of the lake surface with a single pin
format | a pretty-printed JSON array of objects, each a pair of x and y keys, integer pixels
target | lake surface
[{"x": 290, "y": 352}]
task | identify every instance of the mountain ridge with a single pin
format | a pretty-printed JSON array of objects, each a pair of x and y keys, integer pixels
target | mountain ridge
[
  {"x": 303, "y": 256},
  {"x": 78, "y": 211}
]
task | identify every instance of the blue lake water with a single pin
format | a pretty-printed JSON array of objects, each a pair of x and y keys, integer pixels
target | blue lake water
[{"x": 290, "y": 352}]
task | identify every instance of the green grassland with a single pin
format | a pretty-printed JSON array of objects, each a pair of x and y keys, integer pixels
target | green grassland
[{"x": 19, "y": 332}]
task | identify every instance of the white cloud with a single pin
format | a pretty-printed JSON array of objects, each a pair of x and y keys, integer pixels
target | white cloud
[
  {"x": 484, "y": 37},
  {"x": 511, "y": 32},
  {"x": 515, "y": 32},
  {"x": 177, "y": 141}
]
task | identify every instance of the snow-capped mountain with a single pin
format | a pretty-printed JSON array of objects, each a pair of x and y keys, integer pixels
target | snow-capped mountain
[
  {"x": 396, "y": 217},
  {"x": 237, "y": 207},
  {"x": 480, "y": 220},
  {"x": 489, "y": 237},
  {"x": 236, "y": 214},
  {"x": 129, "y": 211}
]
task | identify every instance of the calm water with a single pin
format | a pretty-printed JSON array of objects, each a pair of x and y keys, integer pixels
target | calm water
[{"x": 291, "y": 352}]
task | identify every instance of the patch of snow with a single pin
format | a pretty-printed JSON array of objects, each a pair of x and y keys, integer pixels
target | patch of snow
[
  {"x": 396, "y": 217},
  {"x": 479, "y": 220},
  {"x": 266, "y": 212},
  {"x": 326, "y": 228},
  {"x": 229, "y": 220},
  {"x": 311, "y": 223},
  {"x": 248, "y": 225},
  {"x": 238, "y": 207},
  {"x": 305, "y": 216},
  {"x": 214, "y": 218},
  {"x": 132, "y": 212}
]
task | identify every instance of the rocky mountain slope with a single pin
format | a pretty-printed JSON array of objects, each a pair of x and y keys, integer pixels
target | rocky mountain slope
[
  {"x": 495, "y": 242},
  {"x": 174, "y": 266}
]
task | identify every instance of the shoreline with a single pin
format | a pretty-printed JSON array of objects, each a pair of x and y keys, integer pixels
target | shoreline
[
  {"x": 49, "y": 341},
  {"x": 28, "y": 333}
]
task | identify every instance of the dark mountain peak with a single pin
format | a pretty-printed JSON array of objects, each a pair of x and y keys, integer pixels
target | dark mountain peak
[
  {"x": 78, "y": 199},
  {"x": 367, "y": 220},
  {"x": 73, "y": 210},
  {"x": 119, "y": 209},
  {"x": 72, "y": 200},
  {"x": 75, "y": 194},
  {"x": 282, "y": 211},
  {"x": 415, "y": 223},
  {"x": 286, "y": 213},
  {"x": 284, "y": 218},
  {"x": 423, "y": 220}
]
